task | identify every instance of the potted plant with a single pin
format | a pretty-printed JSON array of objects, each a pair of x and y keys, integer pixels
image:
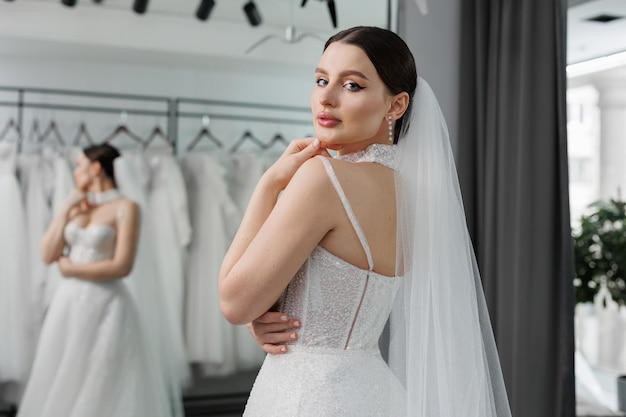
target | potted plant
[
  {"x": 600, "y": 262},
  {"x": 600, "y": 251}
]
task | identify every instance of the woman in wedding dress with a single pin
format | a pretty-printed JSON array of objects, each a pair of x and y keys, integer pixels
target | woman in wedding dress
[
  {"x": 91, "y": 358},
  {"x": 377, "y": 229}
]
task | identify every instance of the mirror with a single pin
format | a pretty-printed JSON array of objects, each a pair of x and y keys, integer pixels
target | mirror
[{"x": 163, "y": 86}]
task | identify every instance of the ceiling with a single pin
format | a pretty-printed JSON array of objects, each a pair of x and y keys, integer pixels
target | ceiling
[
  {"x": 169, "y": 33},
  {"x": 590, "y": 39}
]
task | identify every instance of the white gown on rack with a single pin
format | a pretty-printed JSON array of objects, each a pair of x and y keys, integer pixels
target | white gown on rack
[
  {"x": 214, "y": 217},
  {"x": 92, "y": 359},
  {"x": 132, "y": 174},
  {"x": 246, "y": 170},
  {"x": 335, "y": 367},
  {"x": 63, "y": 185},
  {"x": 15, "y": 350},
  {"x": 169, "y": 213},
  {"x": 37, "y": 179}
]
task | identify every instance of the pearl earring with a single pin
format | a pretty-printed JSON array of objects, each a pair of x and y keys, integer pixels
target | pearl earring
[{"x": 390, "y": 128}]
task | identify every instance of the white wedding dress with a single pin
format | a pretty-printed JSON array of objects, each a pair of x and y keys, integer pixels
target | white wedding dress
[
  {"x": 15, "y": 310},
  {"x": 91, "y": 359},
  {"x": 214, "y": 218},
  {"x": 335, "y": 367}
]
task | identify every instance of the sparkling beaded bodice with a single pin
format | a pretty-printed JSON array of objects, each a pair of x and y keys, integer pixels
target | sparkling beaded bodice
[
  {"x": 340, "y": 305},
  {"x": 90, "y": 244}
]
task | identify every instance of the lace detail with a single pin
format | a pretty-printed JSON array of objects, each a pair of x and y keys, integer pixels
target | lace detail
[{"x": 386, "y": 155}]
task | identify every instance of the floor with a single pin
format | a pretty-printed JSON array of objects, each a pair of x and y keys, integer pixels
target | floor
[
  {"x": 226, "y": 397},
  {"x": 209, "y": 397},
  {"x": 588, "y": 409}
]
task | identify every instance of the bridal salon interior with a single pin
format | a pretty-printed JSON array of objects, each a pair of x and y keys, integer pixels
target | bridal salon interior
[{"x": 204, "y": 95}]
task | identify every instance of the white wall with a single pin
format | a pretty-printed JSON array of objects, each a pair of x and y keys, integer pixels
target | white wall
[
  {"x": 105, "y": 73},
  {"x": 158, "y": 79},
  {"x": 435, "y": 40}
]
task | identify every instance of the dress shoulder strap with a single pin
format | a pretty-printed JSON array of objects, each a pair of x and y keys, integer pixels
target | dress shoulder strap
[{"x": 346, "y": 205}]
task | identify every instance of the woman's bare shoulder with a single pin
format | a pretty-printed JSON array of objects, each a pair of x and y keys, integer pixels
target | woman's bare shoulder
[
  {"x": 312, "y": 173},
  {"x": 126, "y": 207}
]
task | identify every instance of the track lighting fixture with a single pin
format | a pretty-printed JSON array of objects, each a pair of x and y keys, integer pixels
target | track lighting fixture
[
  {"x": 204, "y": 9},
  {"x": 252, "y": 13},
  {"x": 69, "y": 3},
  {"x": 332, "y": 10},
  {"x": 140, "y": 6}
]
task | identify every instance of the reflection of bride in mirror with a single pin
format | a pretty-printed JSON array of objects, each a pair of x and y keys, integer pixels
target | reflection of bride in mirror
[{"x": 91, "y": 357}]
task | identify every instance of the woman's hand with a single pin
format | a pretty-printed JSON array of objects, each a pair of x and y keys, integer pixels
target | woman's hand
[
  {"x": 65, "y": 266},
  {"x": 77, "y": 202},
  {"x": 273, "y": 328},
  {"x": 297, "y": 153}
]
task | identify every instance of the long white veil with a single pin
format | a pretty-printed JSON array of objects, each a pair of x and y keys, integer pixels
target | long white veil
[{"x": 441, "y": 342}]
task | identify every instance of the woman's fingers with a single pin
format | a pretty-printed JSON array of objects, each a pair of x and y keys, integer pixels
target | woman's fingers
[
  {"x": 272, "y": 329},
  {"x": 275, "y": 349},
  {"x": 272, "y": 317},
  {"x": 275, "y": 338}
]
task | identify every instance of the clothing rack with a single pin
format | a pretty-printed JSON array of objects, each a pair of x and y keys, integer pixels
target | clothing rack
[{"x": 171, "y": 108}]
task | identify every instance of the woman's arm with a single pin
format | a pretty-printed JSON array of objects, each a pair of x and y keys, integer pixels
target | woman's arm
[
  {"x": 53, "y": 241},
  {"x": 276, "y": 237},
  {"x": 125, "y": 249}
]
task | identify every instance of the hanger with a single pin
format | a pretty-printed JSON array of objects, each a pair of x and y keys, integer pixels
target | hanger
[
  {"x": 158, "y": 133},
  {"x": 278, "y": 138},
  {"x": 35, "y": 133},
  {"x": 205, "y": 132},
  {"x": 11, "y": 125},
  {"x": 83, "y": 133},
  {"x": 122, "y": 129},
  {"x": 247, "y": 136},
  {"x": 52, "y": 128}
]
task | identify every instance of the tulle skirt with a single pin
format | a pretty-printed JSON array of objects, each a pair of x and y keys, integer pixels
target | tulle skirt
[{"x": 92, "y": 359}]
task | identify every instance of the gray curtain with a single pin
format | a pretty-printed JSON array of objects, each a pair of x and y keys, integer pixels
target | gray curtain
[{"x": 512, "y": 158}]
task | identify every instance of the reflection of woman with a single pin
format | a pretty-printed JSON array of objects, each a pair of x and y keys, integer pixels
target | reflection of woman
[
  {"x": 337, "y": 245},
  {"x": 91, "y": 359}
]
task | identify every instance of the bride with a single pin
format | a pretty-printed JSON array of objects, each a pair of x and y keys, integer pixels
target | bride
[
  {"x": 91, "y": 358},
  {"x": 377, "y": 230}
]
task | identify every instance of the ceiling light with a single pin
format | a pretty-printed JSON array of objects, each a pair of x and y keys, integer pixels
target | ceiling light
[
  {"x": 252, "y": 13},
  {"x": 204, "y": 9},
  {"x": 69, "y": 3},
  {"x": 604, "y": 18},
  {"x": 597, "y": 64},
  {"x": 140, "y": 6},
  {"x": 333, "y": 12}
]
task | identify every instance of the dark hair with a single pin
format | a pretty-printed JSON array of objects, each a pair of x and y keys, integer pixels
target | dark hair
[
  {"x": 105, "y": 154},
  {"x": 392, "y": 59}
]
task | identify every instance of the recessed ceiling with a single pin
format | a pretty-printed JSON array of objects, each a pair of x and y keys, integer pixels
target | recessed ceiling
[{"x": 588, "y": 38}]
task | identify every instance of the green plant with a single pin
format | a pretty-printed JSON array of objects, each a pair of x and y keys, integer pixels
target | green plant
[{"x": 600, "y": 251}]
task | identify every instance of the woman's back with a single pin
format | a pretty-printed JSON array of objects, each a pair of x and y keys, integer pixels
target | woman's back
[
  {"x": 369, "y": 190},
  {"x": 335, "y": 367}
]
